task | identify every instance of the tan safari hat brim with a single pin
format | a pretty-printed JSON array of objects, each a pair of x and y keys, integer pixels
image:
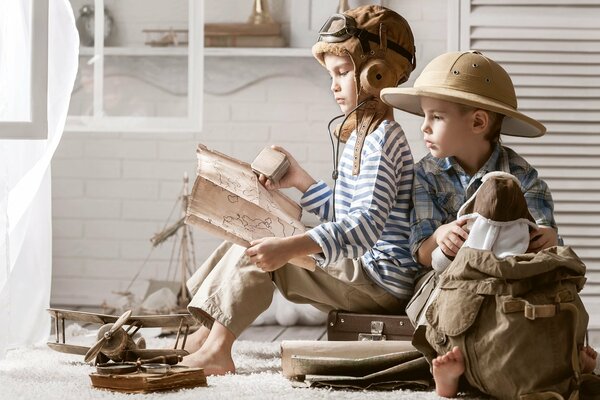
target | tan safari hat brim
[
  {"x": 514, "y": 123},
  {"x": 471, "y": 79}
]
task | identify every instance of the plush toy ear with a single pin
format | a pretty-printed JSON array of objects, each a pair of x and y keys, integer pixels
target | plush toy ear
[{"x": 375, "y": 75}]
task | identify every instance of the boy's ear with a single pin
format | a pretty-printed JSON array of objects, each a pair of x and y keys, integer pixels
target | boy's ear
[{"x": 481, "y": 121}]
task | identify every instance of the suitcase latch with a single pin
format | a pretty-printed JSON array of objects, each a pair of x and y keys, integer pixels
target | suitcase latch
[{"x": 376, "y": 332}]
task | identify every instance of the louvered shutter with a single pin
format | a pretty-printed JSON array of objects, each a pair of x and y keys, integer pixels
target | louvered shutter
[{"x": 551, "y": 49}]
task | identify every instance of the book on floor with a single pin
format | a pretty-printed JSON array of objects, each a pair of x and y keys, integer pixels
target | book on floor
[{"x": 141, "y": 382}]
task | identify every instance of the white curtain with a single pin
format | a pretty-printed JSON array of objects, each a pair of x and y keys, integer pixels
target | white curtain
[{"x": 25, "y": 193}]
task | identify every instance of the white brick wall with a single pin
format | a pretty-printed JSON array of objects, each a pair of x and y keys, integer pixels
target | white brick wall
[{"x": 112, "y": 192}]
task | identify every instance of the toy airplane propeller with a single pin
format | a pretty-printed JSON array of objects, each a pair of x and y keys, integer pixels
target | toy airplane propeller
[
  {"x": 118, "y": 344},
  {"x": 106, "y": 337}
]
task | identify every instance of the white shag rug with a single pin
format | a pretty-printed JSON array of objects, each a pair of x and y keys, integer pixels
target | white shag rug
[{"x": 41, "y": 373}]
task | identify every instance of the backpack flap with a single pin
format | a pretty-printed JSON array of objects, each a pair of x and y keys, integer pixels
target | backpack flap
[{"x": 451, "y": 314}]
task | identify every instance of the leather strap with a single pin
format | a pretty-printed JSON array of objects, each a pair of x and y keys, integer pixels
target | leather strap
[
  {"x": 531, "y": 311},
  {"x": 365, "y": 120}
]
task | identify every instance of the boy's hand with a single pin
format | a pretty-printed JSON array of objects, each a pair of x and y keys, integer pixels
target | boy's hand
[
  {"x": 450, "y": 237},
  {"x": 542, "y": 238},
  {"x": 295, "y": 176},
  {"x": 268, "y": 254},
  {"x": 272, "y": 253}
]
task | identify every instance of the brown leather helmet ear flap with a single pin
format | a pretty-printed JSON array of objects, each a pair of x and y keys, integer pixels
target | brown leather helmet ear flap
[{"x": 375, "y": 75}]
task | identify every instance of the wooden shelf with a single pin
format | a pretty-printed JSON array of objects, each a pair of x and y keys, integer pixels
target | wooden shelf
[
  {"x": 137, "y": 51},
  {"x": 257, "y": 52},
  {"x": 208, "y": 51}
]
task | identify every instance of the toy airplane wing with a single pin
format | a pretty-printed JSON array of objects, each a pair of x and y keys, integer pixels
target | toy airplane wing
[
  {"x": 128, "y": 349},
  {"x": 144, "y": 321},
  {"x": 68, "y": 348},
  {"x": 144, "y": 354}
]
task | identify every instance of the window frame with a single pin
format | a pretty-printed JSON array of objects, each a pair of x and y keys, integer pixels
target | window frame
[
  {"x": 192, "y": 122},
  {"x": 37, "y": 126}
]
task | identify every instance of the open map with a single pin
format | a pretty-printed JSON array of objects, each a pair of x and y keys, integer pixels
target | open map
[{"x": 228, "y": 201}]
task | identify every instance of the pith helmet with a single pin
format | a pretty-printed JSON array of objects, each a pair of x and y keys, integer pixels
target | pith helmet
[
  {"x": 370, "y": 33},
  {"x": 471, "y": 79}
]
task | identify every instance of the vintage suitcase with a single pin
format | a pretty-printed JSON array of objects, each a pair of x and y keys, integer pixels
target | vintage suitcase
[{"x": 342, "y": 325}]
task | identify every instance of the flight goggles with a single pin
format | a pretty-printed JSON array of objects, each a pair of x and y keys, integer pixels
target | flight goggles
[{"x": 340, "y": 27}]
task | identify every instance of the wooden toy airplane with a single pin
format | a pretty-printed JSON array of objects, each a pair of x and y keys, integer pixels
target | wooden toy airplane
[{"x": 119, "y": 344}]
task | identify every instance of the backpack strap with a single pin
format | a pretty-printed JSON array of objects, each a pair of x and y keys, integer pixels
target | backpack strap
[{"x": 531, "y": 311}]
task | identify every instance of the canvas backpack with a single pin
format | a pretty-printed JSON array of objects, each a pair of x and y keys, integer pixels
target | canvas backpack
[{"x": 519, "y": 322}]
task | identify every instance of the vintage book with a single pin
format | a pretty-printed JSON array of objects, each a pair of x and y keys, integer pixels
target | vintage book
[
  {"x": 228, "y": 201},
  {"x": 240, "y": 29},
  {"x": 382, "y": 365},
  {"x": 140, "y": 382},
  {"x": 243, "y": 35},
  {"x": 244, "y": 41},
  {"x": 347, "y": 350},
  {"x": 407, "y": 370}
]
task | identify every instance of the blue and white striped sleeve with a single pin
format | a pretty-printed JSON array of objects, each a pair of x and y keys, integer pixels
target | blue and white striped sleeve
[
  {"x": 318, "y": 200},
  {"x": 370, "y": 202}
]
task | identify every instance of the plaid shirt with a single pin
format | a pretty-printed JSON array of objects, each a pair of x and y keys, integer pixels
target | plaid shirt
[{"x": 441, "y": 186}]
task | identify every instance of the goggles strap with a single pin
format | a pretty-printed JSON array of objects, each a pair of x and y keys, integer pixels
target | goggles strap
[{"x": 365, "y": 37}]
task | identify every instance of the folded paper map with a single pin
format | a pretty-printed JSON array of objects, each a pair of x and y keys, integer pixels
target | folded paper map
[{"x": 228, "y": 201}]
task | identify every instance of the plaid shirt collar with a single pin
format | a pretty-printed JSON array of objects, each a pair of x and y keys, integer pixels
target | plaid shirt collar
[{"x": 498, "y": 161}]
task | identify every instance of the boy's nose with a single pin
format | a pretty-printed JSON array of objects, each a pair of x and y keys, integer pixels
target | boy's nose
[
  {"x": 425, "y": 127},
  {"x": 334, "y": 86}
]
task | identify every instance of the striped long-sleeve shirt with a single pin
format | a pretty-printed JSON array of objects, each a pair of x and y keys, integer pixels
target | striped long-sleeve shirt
[{"x": 372, "y": 210}]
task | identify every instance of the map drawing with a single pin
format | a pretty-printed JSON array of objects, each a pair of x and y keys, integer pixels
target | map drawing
[
  {"x": 228, "y": 195},
  {"x": 228, "y": 201}
]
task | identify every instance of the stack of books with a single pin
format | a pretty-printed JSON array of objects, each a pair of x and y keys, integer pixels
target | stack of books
[{"x": 243, "y": 35}]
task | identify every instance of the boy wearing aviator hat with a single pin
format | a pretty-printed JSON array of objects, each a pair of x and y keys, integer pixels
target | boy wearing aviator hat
[
  {"x": 362, "y": 245},
  {"x": 467, "y": 100}
]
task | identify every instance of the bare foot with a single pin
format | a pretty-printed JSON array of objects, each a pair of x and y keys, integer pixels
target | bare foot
[
  {"x": 196, "y": 339},
  {"x": 587, "y": 359},
  {"x": 215, "y": 354},
  {"x": 447, "y": 370},
  {"x": 214, "y": 363}
]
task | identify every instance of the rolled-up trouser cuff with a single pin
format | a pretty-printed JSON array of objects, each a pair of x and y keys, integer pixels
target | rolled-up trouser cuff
[
  {"x": 231, "y": 290},
  {"x": 208, "y": 312}
]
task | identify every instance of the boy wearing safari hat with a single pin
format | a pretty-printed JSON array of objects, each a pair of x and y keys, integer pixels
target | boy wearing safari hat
[
  {"x": 362, "y": 245},
  {"x": 467, "y": 101}
]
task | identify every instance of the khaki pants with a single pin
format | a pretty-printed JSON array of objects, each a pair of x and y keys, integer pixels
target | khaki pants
[{"x": 229, "y": 289}]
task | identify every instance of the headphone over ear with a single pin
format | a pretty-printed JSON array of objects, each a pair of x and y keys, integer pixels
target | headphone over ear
[{"x": 377, "y": 74}]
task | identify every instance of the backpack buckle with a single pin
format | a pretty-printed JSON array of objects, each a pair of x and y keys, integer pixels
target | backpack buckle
[
  {"x": 532, "y": 311},
  {"x": 529, "y": 311}
]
